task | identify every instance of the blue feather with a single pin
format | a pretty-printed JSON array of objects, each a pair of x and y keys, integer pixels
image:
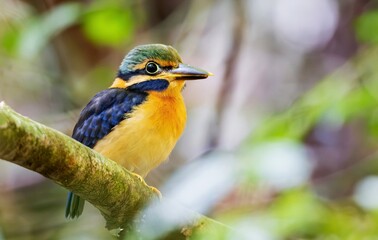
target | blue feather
[{"x": 106, "y": 110}]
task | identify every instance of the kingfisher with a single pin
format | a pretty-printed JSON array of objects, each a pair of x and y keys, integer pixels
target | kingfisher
[{"x": 137, "y": 121}]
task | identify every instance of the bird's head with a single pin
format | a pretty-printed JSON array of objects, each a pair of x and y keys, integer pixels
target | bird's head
[{"x": 155, "y": 67}]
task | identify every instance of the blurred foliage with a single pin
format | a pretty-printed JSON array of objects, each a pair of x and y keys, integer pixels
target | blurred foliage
[
  {"x": 104, "y": 23},
  {"x": 347, "y": 96},
  {"x": 364, "y": 25},
  {"x": 109, "y": 24},
  {"x": 298, "y": 169},
  {"x": 353, "y": 99},
  {"x": 33, "y": 36}
]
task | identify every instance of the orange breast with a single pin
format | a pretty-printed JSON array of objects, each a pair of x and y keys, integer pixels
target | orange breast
[{"x": 148, "y": 135}]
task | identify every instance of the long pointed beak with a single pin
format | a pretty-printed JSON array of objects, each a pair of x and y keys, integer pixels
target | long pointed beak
[{"x": 186, "y": 72}]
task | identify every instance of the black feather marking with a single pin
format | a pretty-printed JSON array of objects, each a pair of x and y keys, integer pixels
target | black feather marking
[
  {"x": 106, "y": 110},
  {"x": 150, "y": 85},
  {"x": 127, "y": 75}
]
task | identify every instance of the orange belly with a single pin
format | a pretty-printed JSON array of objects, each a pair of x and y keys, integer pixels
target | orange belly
[{"x": 148, "y": 135}]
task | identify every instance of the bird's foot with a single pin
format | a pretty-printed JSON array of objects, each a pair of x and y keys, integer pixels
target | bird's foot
[
  {"x": 139, "y": 177},
  {"x": 154, "y": 190}
]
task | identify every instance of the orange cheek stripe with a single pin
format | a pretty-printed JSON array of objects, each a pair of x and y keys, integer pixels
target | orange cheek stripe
[
  {"x": 140, "y": 65},
  {"x": 161, "y": 63},
  {"x": 119, "y": 83}
]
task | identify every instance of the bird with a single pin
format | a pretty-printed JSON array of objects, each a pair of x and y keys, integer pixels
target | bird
[{"x": 137, "y": 121}]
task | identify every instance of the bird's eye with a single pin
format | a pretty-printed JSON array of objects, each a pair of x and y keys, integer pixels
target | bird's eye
[{"x": 152, "y": 68}]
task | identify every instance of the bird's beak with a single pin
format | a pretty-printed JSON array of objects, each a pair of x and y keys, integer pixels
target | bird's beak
[{"x": 186, "y": 72}]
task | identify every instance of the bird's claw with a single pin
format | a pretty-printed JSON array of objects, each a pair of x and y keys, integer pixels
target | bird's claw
[
  {"x": 154, "y": 190},
  {"x": 139, "y": 177}
]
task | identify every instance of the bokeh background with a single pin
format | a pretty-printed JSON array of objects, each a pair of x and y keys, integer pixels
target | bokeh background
[{"x": 280, "y": 143}]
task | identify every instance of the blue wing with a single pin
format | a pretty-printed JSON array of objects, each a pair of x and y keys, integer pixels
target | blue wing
[{"x": 103, "y": 112}]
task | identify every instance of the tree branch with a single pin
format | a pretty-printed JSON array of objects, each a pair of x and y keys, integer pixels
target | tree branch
[{"x": 118, "y": 194}]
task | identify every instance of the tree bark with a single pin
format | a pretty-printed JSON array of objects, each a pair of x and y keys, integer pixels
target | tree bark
[
  {"x": 116, "y": 192},
  {"x": 100, "y": 181}
]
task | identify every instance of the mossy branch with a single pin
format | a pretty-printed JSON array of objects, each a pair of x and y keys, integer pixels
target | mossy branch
[{"x": 117, "y": 193}]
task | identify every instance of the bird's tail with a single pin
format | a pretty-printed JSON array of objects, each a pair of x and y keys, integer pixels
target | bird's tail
[{"x": 74, "y": 206}]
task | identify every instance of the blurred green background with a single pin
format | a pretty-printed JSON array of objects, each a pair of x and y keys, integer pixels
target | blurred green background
[{"x": 280, "y": 143}]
